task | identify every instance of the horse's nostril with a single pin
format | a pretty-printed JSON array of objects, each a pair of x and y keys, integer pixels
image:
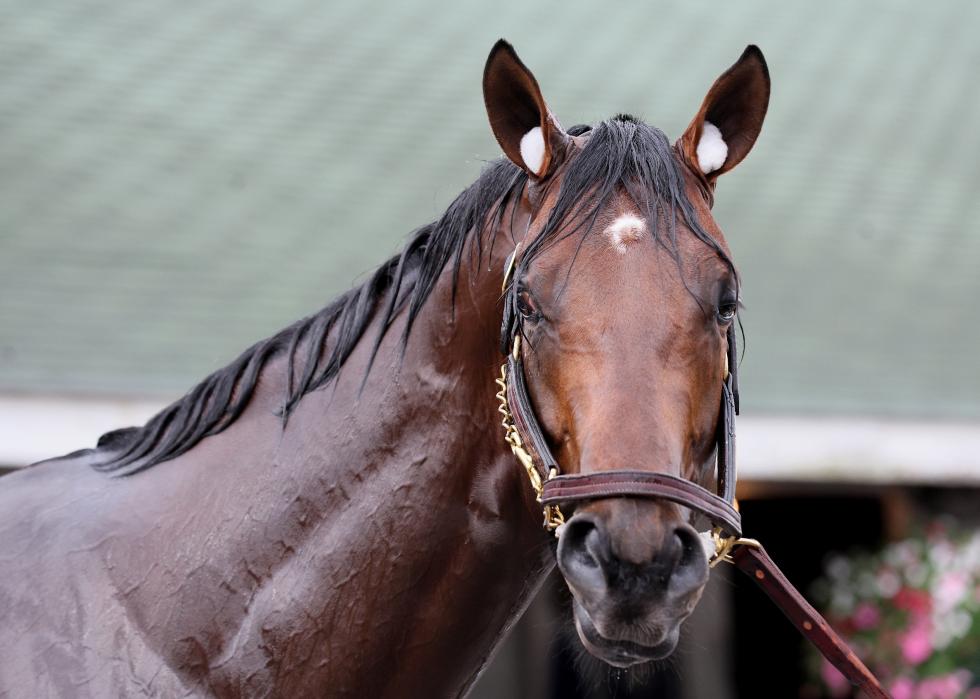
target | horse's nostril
[
  {"x": 692, "y": 563},
  {"x": 583, "y": 543},
  {"x": 581, "y": 554},
  {"x": 689, "y": 547}
]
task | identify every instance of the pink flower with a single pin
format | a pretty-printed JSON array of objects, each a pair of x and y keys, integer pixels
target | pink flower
[
  {"x": 836, "y": 682},
  {"x": 943, "y": 686},
  {"x": 903, "y": 688},
  {"x": 866, "y": 616},
  {"x": 916, "y": 601},
  {"x": 951, "y": 589},
  {"x": 916, "y": 644}
]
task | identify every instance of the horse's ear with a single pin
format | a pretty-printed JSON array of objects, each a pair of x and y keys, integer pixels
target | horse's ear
[
  {"x": 526, "y": 130},
  {"x": 730, "y": 119}
]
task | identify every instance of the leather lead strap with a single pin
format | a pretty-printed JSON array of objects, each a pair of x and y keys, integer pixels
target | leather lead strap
[{"x": 755, "y": 563}]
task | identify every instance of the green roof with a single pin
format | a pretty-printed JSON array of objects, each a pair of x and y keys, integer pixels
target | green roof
[{"x": 178, "y": 180}]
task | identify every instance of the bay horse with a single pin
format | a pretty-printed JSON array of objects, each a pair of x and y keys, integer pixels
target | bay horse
[{"x": 336, "y": 512}]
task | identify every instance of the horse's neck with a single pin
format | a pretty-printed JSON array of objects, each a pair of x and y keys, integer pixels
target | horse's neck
[
  {"x": 433, "y": 547},
  {"x": 386, "y": 540}
]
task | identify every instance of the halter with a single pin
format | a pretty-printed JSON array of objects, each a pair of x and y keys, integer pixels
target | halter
[{"x": 524, "y": 435}]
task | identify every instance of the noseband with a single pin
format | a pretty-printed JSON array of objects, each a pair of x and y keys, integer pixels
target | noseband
[
  {"x": 524, "y": 435},
  {"x": 554, "y": 489}
]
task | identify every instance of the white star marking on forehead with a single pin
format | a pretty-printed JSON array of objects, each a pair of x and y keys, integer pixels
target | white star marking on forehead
[{"x": 625, "y": 230}]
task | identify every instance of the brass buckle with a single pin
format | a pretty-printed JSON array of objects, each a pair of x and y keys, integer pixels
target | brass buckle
[
  {"x": 725, "y": 545},
  {"x": 553, "y": 517}
]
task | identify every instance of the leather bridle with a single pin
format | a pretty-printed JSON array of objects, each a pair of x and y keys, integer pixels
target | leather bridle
[{"x": 523, "y": 433}]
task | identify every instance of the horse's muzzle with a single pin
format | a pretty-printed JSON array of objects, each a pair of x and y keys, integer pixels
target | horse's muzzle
[{"x": 628, "y": 608}]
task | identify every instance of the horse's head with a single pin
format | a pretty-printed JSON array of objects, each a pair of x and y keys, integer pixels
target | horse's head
[{"x": 624, "y": 293}]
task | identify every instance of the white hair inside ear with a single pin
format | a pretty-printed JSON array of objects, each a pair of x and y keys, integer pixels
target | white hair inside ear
[
  {"x": 712, "y": 149},
  {"x": 532, "y": 149}
]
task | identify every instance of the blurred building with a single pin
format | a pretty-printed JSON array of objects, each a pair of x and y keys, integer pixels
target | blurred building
[{"x": 178, "y": 180}]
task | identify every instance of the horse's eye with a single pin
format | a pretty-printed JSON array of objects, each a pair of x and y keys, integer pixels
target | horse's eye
[
  {"x": 525, "y": 305},
  {"x": 726, "y": 312}
]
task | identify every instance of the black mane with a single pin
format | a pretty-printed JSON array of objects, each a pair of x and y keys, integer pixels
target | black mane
[{"x": 619, "y": 152}]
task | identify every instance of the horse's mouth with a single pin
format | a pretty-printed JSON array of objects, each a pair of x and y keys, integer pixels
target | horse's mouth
[{"x": 621, "y": 653}]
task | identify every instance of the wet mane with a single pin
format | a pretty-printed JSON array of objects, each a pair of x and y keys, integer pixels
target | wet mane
[{"x": 619, "y": 152}]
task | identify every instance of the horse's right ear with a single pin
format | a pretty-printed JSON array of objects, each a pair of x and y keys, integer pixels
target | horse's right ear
[{"x": 526, "y": 130}]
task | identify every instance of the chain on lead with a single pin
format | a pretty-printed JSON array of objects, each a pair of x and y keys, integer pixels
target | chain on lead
[{"x": 553, "y": 517}]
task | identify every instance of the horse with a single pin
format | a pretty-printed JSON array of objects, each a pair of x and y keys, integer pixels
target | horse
[{"x": 337, "y": 512}]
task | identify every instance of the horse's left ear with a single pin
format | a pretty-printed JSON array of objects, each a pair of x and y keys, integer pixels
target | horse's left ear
[
  {"x": 524, "y": 126},
  {"x": 730, "y": 118}
]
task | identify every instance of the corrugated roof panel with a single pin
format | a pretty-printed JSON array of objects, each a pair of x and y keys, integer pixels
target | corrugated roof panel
[{"x": 179, "y": 180}]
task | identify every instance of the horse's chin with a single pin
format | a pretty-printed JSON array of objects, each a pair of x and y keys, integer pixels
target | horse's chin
[{"x": 618, "y": 652}]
